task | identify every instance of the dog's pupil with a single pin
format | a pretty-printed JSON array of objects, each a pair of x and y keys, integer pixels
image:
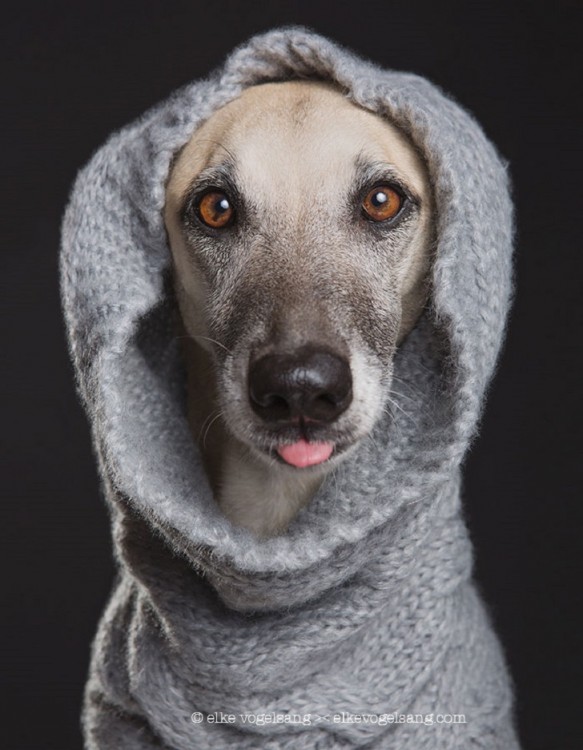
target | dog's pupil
[{"x": 379, "y": 199}]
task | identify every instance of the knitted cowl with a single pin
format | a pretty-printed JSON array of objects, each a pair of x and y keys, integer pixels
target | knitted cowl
[{"x": 365, "y": 605}]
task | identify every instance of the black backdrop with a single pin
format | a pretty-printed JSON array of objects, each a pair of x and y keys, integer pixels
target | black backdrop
[{"x": 76, "y": 71}]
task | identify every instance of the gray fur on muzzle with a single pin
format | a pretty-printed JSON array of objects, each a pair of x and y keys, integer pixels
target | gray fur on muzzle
[{"x": 366, "y": 605}]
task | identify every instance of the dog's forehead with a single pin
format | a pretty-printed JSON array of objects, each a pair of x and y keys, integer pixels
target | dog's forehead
[
  {"x": 296, "y": 136},
  {"x": 315, "y": 132}
]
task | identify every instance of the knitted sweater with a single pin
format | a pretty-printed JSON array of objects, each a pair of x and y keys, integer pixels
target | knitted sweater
[{"x": 360, "y": 626}]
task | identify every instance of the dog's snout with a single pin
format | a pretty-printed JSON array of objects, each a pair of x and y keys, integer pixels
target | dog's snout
[{"x": 310, "y": 383}]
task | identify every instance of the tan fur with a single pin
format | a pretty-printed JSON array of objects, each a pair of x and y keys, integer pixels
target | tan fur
[{"x": 294, "y": 144}]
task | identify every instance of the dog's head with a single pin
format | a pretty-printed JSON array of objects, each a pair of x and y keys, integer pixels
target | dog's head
[{"x": 300, "y": 227}]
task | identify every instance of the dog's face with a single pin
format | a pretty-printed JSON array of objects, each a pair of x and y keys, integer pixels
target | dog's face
[{"x": 299, "y": 226}]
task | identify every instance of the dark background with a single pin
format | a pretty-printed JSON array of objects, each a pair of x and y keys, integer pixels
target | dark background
[{"x": 76, "y": 71}]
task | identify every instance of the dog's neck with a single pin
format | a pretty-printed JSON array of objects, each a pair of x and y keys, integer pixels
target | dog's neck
[{"x": 261, "y": 497}]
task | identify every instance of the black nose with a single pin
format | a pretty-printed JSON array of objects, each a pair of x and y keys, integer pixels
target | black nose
[{"x": 308, "y": 383}]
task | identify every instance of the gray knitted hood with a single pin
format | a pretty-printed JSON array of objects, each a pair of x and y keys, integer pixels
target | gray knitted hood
[{"x": 366, "y": 605}]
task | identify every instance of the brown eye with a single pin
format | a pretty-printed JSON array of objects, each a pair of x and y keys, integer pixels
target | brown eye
[
  {"x": 382, "y": 203},
  {"x": 215, "y": 210}
]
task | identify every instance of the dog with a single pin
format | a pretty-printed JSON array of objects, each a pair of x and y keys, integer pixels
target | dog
[{"x": 300, "y": 227}]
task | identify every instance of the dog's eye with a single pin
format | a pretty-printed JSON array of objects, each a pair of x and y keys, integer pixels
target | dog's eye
[
  {"x": 382, "y": 203},
  {"x": 215, "y": 209}
]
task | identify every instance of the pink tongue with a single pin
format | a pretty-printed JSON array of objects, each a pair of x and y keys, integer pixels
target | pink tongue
[{"x": 303, "y": 454}]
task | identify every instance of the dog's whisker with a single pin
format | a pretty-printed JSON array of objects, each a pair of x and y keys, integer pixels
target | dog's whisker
[
  {"x": 211, "y": 423},
  {"x": 212, "y": 415},
  {"x": 394, "y": 403},
  {"x": 372, "y": 440},
  {"x": 194, "y": 337},
  {"x": 414, "y": 390},
  {"x": 393, "y": 392}
]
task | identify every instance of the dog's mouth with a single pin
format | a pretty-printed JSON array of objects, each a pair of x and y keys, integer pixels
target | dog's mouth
[
  {"x": 303, "y": 453},
  {"x": 298, "y": 443},
  {"x": 303, "y": 443},
  {"x": 303, "y": 449}
]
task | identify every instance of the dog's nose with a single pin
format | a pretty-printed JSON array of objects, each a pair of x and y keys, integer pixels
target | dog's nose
[{"x": 309, "y": 383}]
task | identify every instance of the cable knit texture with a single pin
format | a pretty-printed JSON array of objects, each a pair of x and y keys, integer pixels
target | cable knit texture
[{"x": 366, "y": 605}]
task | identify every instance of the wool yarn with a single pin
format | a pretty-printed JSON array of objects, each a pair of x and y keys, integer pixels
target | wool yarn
[{"x": 360, "y": 626}]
